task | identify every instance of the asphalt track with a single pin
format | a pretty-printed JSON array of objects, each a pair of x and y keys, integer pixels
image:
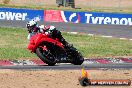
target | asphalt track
[
  {"x": 118, "y": 31},
  {"x": 70, "y": 67}
]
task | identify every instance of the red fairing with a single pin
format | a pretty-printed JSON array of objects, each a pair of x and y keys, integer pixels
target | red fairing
[{"x": 39, "y": 38}]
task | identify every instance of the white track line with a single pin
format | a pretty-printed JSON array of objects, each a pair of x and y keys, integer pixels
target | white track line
[
  {"x": 123, "y": 38},
  {"x": 72, "y": 32},
  {"x": 91, "y": 34},
  {"x": 107, "y": 36},
  {"x": 101, "y": 36}
]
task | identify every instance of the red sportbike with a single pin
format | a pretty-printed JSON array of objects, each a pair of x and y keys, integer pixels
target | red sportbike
[{"x": 51, "y": 51}]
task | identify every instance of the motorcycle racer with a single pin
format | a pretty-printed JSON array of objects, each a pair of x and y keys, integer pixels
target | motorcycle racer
[{"x": 33, "y": 28}]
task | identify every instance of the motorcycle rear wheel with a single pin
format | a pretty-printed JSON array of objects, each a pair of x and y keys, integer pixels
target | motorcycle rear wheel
[{"x": 77, "y": 58}]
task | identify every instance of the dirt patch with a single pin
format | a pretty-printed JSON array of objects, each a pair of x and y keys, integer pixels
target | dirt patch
[{"x": 56, "y": 78}]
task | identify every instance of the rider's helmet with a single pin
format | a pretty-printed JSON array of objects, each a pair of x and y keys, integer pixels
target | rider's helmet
[
  {"x": 52, "y": 28},
  {"x": 31, "y": 25}
]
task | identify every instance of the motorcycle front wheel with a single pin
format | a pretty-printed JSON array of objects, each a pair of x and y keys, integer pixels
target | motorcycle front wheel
[{"x": 46, "y": 56}]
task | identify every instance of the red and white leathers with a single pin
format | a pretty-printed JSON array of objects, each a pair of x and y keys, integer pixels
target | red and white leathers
[{"x": 33, "y": 28}]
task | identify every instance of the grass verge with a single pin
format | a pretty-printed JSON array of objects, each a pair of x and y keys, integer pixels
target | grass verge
[{"x": 13, "y": 42}]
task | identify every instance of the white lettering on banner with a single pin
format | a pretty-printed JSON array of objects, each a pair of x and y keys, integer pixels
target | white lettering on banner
[
  {"x": 9, "y": 15},
  {"x": 88, "y": 17},
  {"x": 115, "y": 21},
  {"x": 124, "y": 21},
  {"x": 101, "y": 20},
  {"x": 2, "y": 15},
  {"x": 18, "y": 16},
  {"x": 12, "y": 16},
  {"x": 94, "y": 20},
  {"x": 107, "y": 20},
  {"x": 130, "y": 21}
]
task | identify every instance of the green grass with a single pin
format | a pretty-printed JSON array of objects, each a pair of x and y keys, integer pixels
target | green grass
[
  {"x": 13, "y": 42},
  {"x": 100, "y": 47}
]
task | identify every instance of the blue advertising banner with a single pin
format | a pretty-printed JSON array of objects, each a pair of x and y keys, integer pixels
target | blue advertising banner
[
  {"x": 97, "y": 18},
  {"x": 20, "y": 14},
  {"x": 66, "y": 16}
]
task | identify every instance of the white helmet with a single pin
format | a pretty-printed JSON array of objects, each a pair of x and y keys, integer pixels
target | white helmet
[
  {"x": 52, "y": 28},
  {"x": 31, "y": 23}
]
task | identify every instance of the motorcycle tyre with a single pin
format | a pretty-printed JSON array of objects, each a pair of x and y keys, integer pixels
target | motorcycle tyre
[{"x": 43, "y": 58}]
